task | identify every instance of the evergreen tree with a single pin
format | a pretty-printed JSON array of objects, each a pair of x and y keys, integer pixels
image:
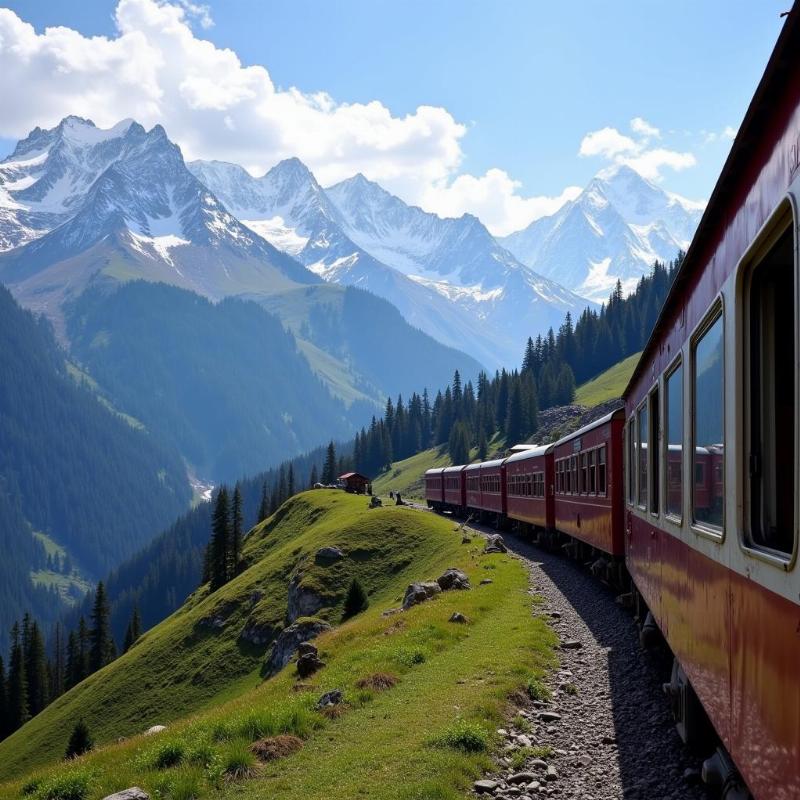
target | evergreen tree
[
  {"x": 263, "y": 509},
  {"x": 329, "y": 468},
  {"x": 35, "y": 669},
  {"x": 58, "y": 670},
  {"x": 356, "y": 600},
  {"x": 4, "y": 709},
  {"x": 80, "y": 741},
  {"x": 219, "y": 545},
  {"x": 314, "y": 478},
  {"x": 17, "y": 684},
  {"x": 290, "y": 480},
  {"x": 483, "y": 445},
  {"x": 134, "y": 629},
  {"x": 237, "y": 534},
  {"x": 515, "y": 419},
  {"x": 102, "y": 648},
  {"x": 458, "y": 444}
]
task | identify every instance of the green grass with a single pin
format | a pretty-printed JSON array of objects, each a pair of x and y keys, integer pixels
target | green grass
[
  {"x": 452, "y": 680},
  {"x": 608, "y": 385},
  {"x": 72, "y": 587}
]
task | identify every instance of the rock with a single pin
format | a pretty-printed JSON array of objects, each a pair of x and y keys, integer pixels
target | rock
[
  {"x": 549, "y": 716},
  {"x": 551, "y": 774},
  {"x": 458, "y": 617},
  {"x": 465, "y": 540},
  {"x": 154, "y": 730},
  {"x": 134, "y": 793},
  {"x": 308, "y": 664},
  {"x": 539, "y": 763},
  {"x": 328, "y": 555},
  {"x": 218, "y": 618},
  {"x": 303, "y": 601},
  {"x": 288, "y": 641},
  {"x": 523, "y": 740},
  {"x": 691, "y": 776},
  {"x": 609, "y": 740},
  {"x": 522, "y": 777},
  {"x": 486, "y": 581},
  {"x": 555, "y": 614},
  {"x": 495, "y": 544},
  {"x": 332, "y": 698},
  {"x": 453, "y": 579},
  {"x": 420, "y": 592},
  {"x": 571, "y": 644},
  {"x": 485, "y": 787},
  {"x": 307, "y": 649},
  {"x": 257, "y": 633}
]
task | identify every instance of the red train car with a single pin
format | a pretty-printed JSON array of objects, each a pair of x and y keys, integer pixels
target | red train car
[
  {"x": 455, "y": 499},
  {"x": 529, "y": 487},
  {"x": 493, "y": 489},
  {"x": 588, "y": 484},
  {"x": 434, "y": 488},
  {"x": 711, "y": 519}
]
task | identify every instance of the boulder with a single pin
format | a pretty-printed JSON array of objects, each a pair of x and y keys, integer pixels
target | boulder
[
  {"x": 154, "y": 730},
  {"x": 308, "y": 664},
  {"x": 288, "y": 641},
  {"x": 458, "y": 618},
  {"x": 328, "y": 555},
  {"x": 420, "y": 592},
  {"x": 495, "y": 544},
  {"x": 307, "y": 649},
  {"x": 332, "y": 698},
  {"x": 485, "y": 787},
  {"x": 303, "y": 601},
  {"x": 134, "y": 793},
  {"x": 453, "y": 579},
  {"x": 486, "y": 581}
]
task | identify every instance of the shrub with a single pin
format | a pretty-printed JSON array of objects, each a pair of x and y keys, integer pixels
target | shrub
[
  {"x": 379, "y": 681},
  {"x": 73, "y": 785},
  {"x": 185, "y": 783},
  {"x": 276, "y": 747},
  {"x": 168, "y": 754},
  {"x": 537, "y": 690},
  {"x": 31, "y": 787},
  {"x": 80, "y": 740},
  {"x": 468, "y": 737},
  {"x": 409, "y": 657},
  {"x": 356, "y": 600},
  {"x": 238, "y": 761}
]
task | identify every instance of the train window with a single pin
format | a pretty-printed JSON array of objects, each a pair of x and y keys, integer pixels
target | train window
[
  {"x": 584, "y": 485},
  {"x": 770, "y": 311},
  {"x": 641, "y": 455},
  {"x": 655, "y": 432},
  {"x": 601, "y": 470},
  {"x": 592, "y": 488},
  {"x": 574, "y": 463},
  {"x": 708, "y": 403},
  {"x": 673, "y": 417},
  {"x": 631, "y": 465}
]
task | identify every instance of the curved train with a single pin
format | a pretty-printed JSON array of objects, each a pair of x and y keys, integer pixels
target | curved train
[{"x": 688, "y": 494}]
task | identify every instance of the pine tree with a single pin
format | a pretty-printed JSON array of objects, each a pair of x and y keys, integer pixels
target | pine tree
[
  {"x": 57, "y": 675},
  {"x": 134, "y": 629},
  {"x": 4, "y": 709},
  {"x": 483, "y": 445},
  {"x": 17, "y": 683},
  {"x": 290, "y": 480},
  {"x": 80, "y": 741},
  {"x": 102, "y": 649},
  {"x": 458, "y": 444},
  {"x": 356, "y": 600},
  {"x": 237, "y": 534},
  {"x": 329, "y": 468},
  {"x": 35, "y": 670},
  {"x": 83, "y": 649},
  {"x": 219, "y": 544},
  {"x": 263, "y": 509},
  {"x": 314, "y": 478},
  {"x": 515, "y": 421}
]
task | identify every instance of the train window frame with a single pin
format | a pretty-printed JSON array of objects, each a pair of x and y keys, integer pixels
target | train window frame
[
  {"x": 715, "y": 312},
  {"x": 669, "y": 373},
  {"x": 784, "y": 218},
  {"x": 630, "y": 477},
  {"x": 642, "y": 506},
  {"x": 654, "y": 432},
  {"x": 604, "y": 471}
]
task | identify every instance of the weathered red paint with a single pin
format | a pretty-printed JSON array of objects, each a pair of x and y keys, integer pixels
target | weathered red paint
[
  {"x": 434, "y": 487},
  {"x": 538, "y": 511},
  {"x": 454, "y": 487}
]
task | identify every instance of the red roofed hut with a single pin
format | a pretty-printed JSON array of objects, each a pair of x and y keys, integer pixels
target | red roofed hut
[{"x": 354, "y": 482}]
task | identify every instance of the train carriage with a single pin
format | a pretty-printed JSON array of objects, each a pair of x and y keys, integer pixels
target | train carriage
[
  {"x": 490, "y": 500},
  {"x": 454, "y": 489},
  {"x": 434, "y": 488},
  {"x": 711, "y": 452},
  {"x": 529, "y": 487},
  {"x": 587, "y": 469}
]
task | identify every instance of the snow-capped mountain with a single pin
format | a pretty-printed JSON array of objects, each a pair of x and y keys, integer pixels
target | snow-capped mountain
[
  {"x": 448, "y": 277},
  {"x": 82, "y": 203},
  {"x": 615, "y": 229}
]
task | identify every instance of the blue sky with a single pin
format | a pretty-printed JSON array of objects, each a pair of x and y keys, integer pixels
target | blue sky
[{"x": 516, "y": 88}]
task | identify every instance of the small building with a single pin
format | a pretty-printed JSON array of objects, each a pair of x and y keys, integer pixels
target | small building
[{"x": 354, "y": 482}]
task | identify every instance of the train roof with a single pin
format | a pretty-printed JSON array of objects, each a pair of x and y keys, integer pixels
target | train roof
[
  {"x": 533, "y": 452},
  {"x": 717, "y": 213},
  {"x": 455, "y": 468},
  {"x": 591, "y": 426},
  {"x": 476, "y": 465},
  {"x": 496, "y": 462},
  {"x": 434, "y": 471}
]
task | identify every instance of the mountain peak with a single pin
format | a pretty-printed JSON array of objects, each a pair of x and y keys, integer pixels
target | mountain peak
[{"x": 290, "y": 169}]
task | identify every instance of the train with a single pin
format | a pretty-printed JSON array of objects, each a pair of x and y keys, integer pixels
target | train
[{"x": 686, "y": 496}]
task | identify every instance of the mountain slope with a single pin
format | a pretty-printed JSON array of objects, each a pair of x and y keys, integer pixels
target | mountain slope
[
  {"x": 615, "y": 229},
  {"x": 70, "y": 468},
  {"x": 198, "y": 657}
]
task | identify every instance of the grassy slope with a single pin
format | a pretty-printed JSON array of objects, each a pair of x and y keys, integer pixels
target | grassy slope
[
  {"x": 177, "y": 668},
  {"x": 608, "y": 385}
]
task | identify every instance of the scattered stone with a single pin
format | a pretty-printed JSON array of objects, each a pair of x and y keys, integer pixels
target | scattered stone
[
  {"x": 289, "y": 640},
  {"x": 555, "y": 614},
  {"x": 274, "y": 747},
  {"x": 609, "y": 740},
  {"x": 521, "y": 777},
  {"x": 453, "y": 579},
  {"x": 134, "y": 793},
  {"x": 539, "y": 763},
  {"x": 486, "y": 581},
  {"x": 332, "y": 698},
  {"x": 551, "y": 774},
  {"x": 308, "y": 664},
  {"x": 303, "y": 601},
  {"x": 458, "y": 617},
  {"x": 495, "y": 544},
  {"x": 328, "y": 555},
  {"x": 154, "y": 730},
  {"x": 571, "y": 644},
  {"x": 485, "y": 787},
  {"x": 307, "y": 649},
  {"x": 419, "y": 593},
  {"x": 549, "y": 716}
]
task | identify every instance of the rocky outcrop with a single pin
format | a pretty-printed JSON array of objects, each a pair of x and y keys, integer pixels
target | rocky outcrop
[
  {"x": 458, "y": 618},
  {"x": 453, "y": 579},
  {"x": 328, "y": 555},
  {"x": 218, "y": 618},
  {"x": 332, "y": 698},
  {"x": 495, "y": 544},
  {"x": 303, "y": 600},
  {"x": 289, "y": 640},
  {"x": 257, "y": 633},
  {"x": 419, "y": 593},
  {"x": 154, "y": 730},
  {"x": 134, "y": 793},
  {"x": 308, "y": 660}
]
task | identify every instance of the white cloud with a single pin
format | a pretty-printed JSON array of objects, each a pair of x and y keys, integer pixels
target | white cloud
[
  {"x": 495, "y": 199},
  {"x": 637, "y": 153},
  {"x": 199, "y": 11}
]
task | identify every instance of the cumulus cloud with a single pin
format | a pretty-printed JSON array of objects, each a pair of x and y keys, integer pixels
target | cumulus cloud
[{"x": 636, "y": 152}]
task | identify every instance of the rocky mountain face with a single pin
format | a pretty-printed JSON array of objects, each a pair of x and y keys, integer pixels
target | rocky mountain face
[{"x": 615, "y": 229}]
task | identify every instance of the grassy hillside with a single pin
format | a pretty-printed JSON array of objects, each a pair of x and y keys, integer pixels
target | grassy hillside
[
  {"x": 205, "y": 683},
  {"x": 608, "y": 385}
]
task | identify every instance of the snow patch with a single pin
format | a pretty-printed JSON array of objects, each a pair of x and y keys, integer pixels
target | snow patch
[{"x": 277, "y": 233}]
